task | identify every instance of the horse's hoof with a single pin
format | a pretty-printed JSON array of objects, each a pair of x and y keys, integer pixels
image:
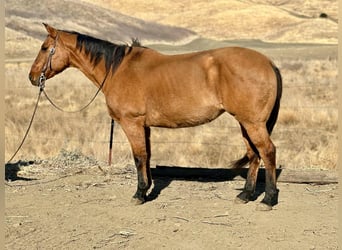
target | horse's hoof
[
  {"x": 240, "y": 201},
  {"x": 263, "y": 207},
  {"x": 136, "y": 201}
]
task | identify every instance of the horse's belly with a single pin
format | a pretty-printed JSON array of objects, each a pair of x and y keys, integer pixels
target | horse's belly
[{"x": 182, "y": 117}]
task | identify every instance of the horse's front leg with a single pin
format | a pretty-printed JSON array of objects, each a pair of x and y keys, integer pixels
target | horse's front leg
[{"x": 139, "y": 138}]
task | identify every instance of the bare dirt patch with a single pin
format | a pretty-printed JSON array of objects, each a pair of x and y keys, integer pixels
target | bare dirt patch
[{"x": 88, "y": 207}]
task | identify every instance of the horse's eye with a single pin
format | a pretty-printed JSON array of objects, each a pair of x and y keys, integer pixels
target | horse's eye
[{"x": 43, "y": 48}]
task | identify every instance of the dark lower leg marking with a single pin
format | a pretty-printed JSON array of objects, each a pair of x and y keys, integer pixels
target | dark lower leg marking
[
  {"x": 143, "y": 184},
  {"x": 245, "y": 196},
  {"x": 248, "y": 193},
  {"x": 260, "y": 138},
  {"x": 271, "y": 191}
]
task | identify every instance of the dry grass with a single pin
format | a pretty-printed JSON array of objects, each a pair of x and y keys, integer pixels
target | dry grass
[
  {"x": 277, "y": 20},
  {"x": 305, "y": 135}
]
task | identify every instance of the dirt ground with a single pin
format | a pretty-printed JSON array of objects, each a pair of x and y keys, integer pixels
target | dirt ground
[{"x": 80, "y": 204}]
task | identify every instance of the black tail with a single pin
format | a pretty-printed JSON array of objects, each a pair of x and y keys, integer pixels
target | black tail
[
  {"x": 270, "y": 122},
  {"x": 274, "y": 114}
]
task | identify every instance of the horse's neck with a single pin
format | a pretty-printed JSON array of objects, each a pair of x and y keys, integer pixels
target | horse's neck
[{"x": 82, "y": 62}]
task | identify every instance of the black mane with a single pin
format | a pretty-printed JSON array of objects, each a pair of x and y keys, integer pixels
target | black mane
[{"x": 98, "y": 49}]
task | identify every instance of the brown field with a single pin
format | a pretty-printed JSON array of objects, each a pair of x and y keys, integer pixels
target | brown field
[{"x": 62, "y": 195}]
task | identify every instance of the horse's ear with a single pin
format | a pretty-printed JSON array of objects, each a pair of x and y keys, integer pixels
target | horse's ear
[{"x": 52, "y": 31}]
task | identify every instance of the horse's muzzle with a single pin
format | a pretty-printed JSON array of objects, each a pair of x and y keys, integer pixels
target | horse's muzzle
[{"x": 33, "y": 80}]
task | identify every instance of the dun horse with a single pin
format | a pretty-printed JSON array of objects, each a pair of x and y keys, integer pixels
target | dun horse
[{"x": 144, "y": 88}]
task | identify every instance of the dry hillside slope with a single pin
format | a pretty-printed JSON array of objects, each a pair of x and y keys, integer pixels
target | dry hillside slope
[
  {"x": 267, "y": 20},
  {"x": 170, "y": 22},
  {"x": 24, "y": 30}
]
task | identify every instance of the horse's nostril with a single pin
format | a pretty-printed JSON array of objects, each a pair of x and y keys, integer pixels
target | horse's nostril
[{"x": 32, "y": 80}]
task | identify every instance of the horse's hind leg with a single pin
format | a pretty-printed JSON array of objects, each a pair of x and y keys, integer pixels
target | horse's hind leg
[
  {"x": 254, "y": 161},
  {"x": 259, "y": 136},
  {"x": 139, "y": 138}
]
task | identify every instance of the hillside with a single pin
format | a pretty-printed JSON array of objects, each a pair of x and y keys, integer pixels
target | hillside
[
  {"x": 24, "y": 31},
  {"x": 296, "y": 21},
  {"x": 170, "y": 22}
]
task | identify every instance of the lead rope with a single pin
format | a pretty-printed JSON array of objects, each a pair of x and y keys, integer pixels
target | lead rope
[
  {"x": 42, "y": 79},
  {"x": 72, "y": 111},
  {"x": 29, "y": 127}
]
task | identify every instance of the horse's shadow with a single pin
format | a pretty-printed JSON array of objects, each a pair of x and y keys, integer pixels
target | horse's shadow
[
  {"x": 164, "y": 175},
  {"x": 12, "y": 169}
]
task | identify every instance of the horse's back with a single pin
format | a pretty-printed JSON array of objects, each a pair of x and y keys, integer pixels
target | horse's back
[{"x": 194, "y": 88}]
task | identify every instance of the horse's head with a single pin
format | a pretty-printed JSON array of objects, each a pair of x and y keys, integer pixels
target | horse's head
[{"x": 52, "y": 58}]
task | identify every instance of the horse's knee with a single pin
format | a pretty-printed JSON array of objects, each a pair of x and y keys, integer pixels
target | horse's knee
[
  {"x": 270, "y": 151},
  {"x": 139, "y": 161}
]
